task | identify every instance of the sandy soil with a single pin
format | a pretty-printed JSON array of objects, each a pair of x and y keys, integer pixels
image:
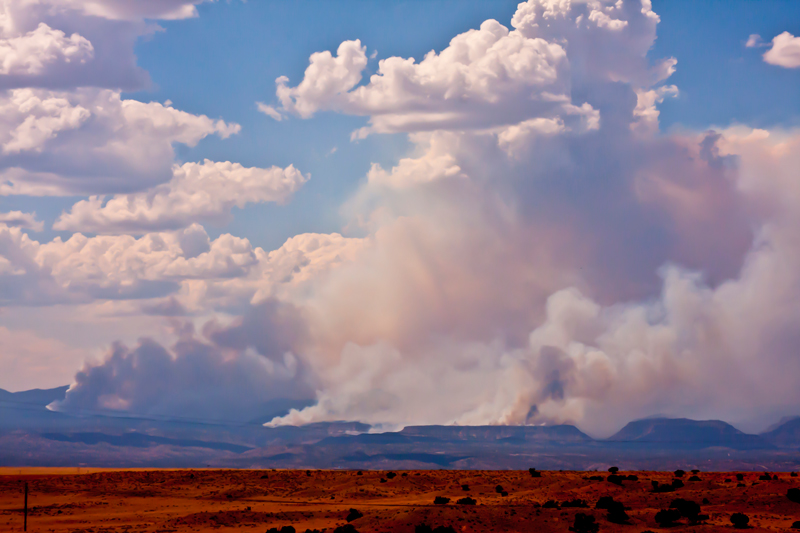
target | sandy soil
[{"x": 132, "y": 501}]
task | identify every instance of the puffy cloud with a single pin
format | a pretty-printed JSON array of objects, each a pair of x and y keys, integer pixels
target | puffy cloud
[
  {"x": 84, "y": 268},
  {"x": 21, "y": 220},
  {"x": 196, "y": 192},
  {"x": 66, "y": 44},
  {"x": 491, "y": 76},
  {"x": 269, "y": 110},
  {"x": 91, "y": 141},
  {"x": 30, "y": 53},
  {"x": 785, "y": 51},
  {"x": 754, "y": 41},
  {"x": 470, "y": 84}
]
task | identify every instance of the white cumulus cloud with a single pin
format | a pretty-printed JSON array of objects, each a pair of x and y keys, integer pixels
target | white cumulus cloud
[{"x": 785, "y": 51}]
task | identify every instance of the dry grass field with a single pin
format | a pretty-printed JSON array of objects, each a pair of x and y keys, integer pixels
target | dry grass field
[{"x": 134, "y": 501}]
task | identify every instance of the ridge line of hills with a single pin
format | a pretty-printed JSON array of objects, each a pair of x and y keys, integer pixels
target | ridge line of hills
[{"x": 32, "y": 435}]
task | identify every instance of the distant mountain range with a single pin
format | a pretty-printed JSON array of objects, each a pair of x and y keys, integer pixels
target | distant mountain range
[{"x": 31, "y": 435}]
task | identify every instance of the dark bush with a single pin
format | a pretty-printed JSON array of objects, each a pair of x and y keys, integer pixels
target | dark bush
[
  {"x": 695, "y": 471},
  {"x": 740, "y": 520},
  {"x": 359, "y": 473},
  {"x": 617, "y": 514},
  {"x": 796, "y": 525},
  {"x": 679, "y": 473},
  {"x": 596, "y": 478},
  {"x": 444, "y": 529},
  {"x": 423, "y": 528},
  {"x": 284, "y": 529},
  {"x": 390, "y": 475},
  {"x": 740, "y": 485},
  {"x": 353, "y": 515},
  {"x": 498, "y": 489},
  {"x": 504, "y": 494},
  {"x": 615, "y": 479},
  {"x": 667, "y": 517},
  {"x": 613, "y": 469},
  {"x": 688, "y": 509},
  {"x": 575, "y": 503},
  {"x": 765, "y": 477},
  {"x": 677, "y": 484},
  {"x": 308, "y": 473},
  {"x": 551, "y": 504},
  {"x": 793, "y": 474},
  {"x": 695, "y": 478},
  {"x": 347, "y": 528},
  {"x": 441, "y": 500},
  {"x": 793, "y": 495},
  {"x": 632, "y": 477},
  {"x": 466, "y": 501},
  {"x": 740, "y": 477},
  {"x": 585, "y": 523},
  {"x": 534, "y": 473},
  {"x": 605, "y": 502},
  {"x": 265, "y": 476},
  {"x": 313, "y": 531},
  {"x": 705, "y": 501},
  {"x": 464, "y": 487},
  {"x": 404, "y": 474}
]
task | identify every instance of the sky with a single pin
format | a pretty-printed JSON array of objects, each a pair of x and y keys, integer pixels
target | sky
[{"x": 406, "y": 212}]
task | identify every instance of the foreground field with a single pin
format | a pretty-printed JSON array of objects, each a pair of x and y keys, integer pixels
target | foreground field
[{"x": 93, "y": 501}]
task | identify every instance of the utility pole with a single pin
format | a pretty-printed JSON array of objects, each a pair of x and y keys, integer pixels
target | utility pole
[{"x": 25, "y": 520}]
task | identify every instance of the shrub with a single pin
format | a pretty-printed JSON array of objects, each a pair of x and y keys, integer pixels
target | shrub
[
  {"x": 551, "y": 504},
  {"x": 284, "y": 529},
  {"x": 615, "y": 479},
  {"x": 359, "y": 473},
  {"x": 667, "y": 517},
  {"x": 466, "y": 501},
  {"x": 695, "y": 471},
  {"x": 347, "y": 528},
  {"x": 796, "y": 525},
  {"x": 353, "y": 515},
  {"x": 677, "y": 484},
  {"x": 423, "y": 528},
  {"x": 441, "y": 500},
  {"x": 504, "y": 494},
  {"x": 765, "y": 477},
  {"x": 534, "y": 473},
  {"x": 793, "y": 474},
  {"x": 740, "y": 520},
  {"x": 617, "y": 514},
  {"x": 793, "y": 495},
  {"x": 679, "y": 473},
  {"x": 390, "y": 475},
  {"x": 498, "y": 489},
  {"x": 596, "y": 478},
  {"x": 613, "y": 469},
  {"x": 632, "y": 477},
  {"x": 695, "y": 478},
  {"x": 585, "y": 523},
  {"x": 604, "y": 502},
  {"x": 688, "y": 509},
  {"x": 739, "y": 477},
  {"x": 464, "y": 487}
]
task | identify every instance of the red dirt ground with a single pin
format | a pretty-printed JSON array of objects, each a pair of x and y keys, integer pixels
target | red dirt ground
[{"x": 134, "y": 501}]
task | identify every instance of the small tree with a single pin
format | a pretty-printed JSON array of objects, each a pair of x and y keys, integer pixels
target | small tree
[
  {"x": 740, "y": 520},
  {"x": 534, "y": 473},
  {"x": 585, "y": 523},
  {"x": 679, "y": 473},
  {"x": 613, "y": 469},
  {"x": 793, "y": 495},
  {"x": 667, "y": 517}
]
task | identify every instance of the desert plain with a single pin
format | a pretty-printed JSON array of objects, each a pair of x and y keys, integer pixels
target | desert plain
[{"x": 137, "y": 501}]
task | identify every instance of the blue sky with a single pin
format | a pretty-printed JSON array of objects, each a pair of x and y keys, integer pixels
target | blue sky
[{"x": 534, "y": 226}]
